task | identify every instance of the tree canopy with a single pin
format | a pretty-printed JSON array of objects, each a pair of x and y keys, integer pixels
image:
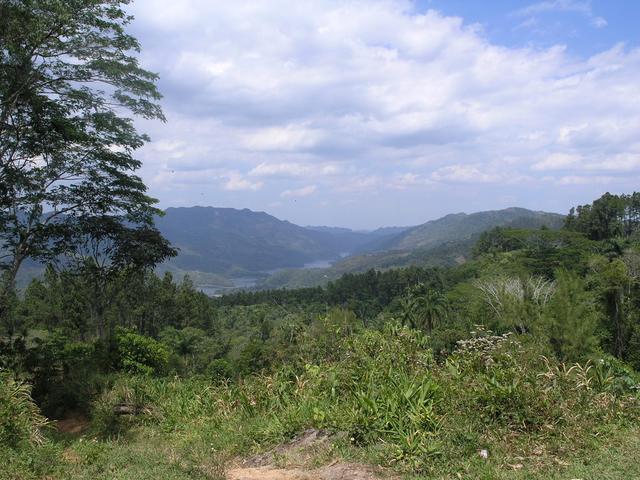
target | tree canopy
[{"x": 69, "y": 84}]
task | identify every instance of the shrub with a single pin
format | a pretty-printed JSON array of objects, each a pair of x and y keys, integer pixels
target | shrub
[
  {"x": 131, "y": 393},
  {"x": 138, "y": 354},
  {"x": 220, "y": 369},
  {"x": 65, "y": 374},
  {"x": 571, "y": 319}
]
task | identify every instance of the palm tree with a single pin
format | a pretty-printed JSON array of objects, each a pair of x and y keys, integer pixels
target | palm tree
[
  {"x": 428, "y": 308},
  {"x": 407, "y": 313}
]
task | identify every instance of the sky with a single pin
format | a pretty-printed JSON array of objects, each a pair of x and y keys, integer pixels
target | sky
[{"x": 390, "y": 112}]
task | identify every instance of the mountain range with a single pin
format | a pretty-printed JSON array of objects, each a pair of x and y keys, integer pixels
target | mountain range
[
  {"x": 226, "y": 248},
  {"x": 240, "y": 242},
  {"x": 227, "y": 243}
]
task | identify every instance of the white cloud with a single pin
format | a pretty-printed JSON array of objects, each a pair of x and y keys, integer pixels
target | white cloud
[
  {"x": 283, "y": 138},
  {"x": 627, "y": 162},
  {"x": 293, "y": 169},
  {"x": 369, "y": 183},
  {"x": 599, "y": 22},
  {"x": 584, "y": 180},
  {"x": 408, "y": 180},
  {"x": 557, "y": 161},
  {"x": 236, "y": 182},
  {"x": 575, "y": 6},
  {"x": 465, "y": 174},
  {"x": 300, "y": 192},
  {"x": 345, "y": 95},
  {"x": 582, "y": 7},
  {"x": 618, "y": 163}
]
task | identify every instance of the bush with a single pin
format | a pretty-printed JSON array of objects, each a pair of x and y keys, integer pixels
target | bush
[
  {"x": 131, "y": 393},
  {"x": 142, "y": 355},
  {"x": 65, "y": 374},
  {"x": 220, "y": 369}
]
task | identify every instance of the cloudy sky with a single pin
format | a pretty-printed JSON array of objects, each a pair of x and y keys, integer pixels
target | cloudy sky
[{"x": 391, "y": 112}]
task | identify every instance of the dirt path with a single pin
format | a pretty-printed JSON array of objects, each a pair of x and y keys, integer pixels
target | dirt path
[
  {"x": 74, "y": 423},
  {"x": 295, "y": 455},
  {"x": 338, "y": 471}
]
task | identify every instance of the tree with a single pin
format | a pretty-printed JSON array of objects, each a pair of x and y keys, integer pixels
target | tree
[
  {"x": 68, "y": 79},
  {"x": 614, "y": 283},
  {"x": 424, "y": 307},
  {"x": 608, "y": 217},
  {"x": 516, "y": 302},
  {"x": 571, "y": 319}
]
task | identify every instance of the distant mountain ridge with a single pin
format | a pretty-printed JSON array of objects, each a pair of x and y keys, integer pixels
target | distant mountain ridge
[
  {"x": 462, "y": 226},
  {"x": 218, "y": 244},
  {"x": 446, "y": 241},
  {"x": 235, "y": 242}
]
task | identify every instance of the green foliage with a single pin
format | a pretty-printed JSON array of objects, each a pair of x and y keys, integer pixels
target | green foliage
[
  {"x": 65, "y": 374},
  {"x": 423, "y": 307},
  {"x": 571, "y": 319},
  {"x": 395, "y": 404},
  {"x": 138, "y": 354},
  {"x": 540, "y": 251},
  {"x": 251, "y": 370},
  {"x": 68, "y": 75},
  {"x": 515, "y": 302},
  {"x": 608, "y": 217},
  {"x": 326, "y": 333},
  {"x": 20, "y": 419}
]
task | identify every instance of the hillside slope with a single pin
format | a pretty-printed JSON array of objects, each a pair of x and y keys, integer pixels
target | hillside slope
[
  {"x": 230, "y": 241},
  {"x": 462, "y": 226},
  {"x": 443, "y": 242}
]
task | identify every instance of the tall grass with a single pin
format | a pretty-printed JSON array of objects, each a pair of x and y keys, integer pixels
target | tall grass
[
  {"x": 395, "y": 404},
  {"x": 20, "y": 419}
]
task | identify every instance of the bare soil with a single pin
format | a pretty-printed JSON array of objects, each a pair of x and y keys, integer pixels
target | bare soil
[
  {"x": 290, "y": 461},
  {"x": 74, "y": 423}
]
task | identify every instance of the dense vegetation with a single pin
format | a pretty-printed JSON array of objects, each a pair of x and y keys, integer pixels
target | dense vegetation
[{"x": 531, "y": 346}]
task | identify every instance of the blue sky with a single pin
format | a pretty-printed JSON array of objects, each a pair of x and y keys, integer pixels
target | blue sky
[
  {"x": 585, "y": 27},
  {"x": 391, "y": 112}
]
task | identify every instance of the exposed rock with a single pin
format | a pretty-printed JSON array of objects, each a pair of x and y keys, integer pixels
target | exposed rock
[{"x": 297, "y": 453}]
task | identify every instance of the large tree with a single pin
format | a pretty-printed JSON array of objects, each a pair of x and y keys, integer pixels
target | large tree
[{"x": 69, "y": 84}]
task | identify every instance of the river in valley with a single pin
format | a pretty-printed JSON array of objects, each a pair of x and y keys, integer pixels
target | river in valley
[{"x": 251, "y": 281}]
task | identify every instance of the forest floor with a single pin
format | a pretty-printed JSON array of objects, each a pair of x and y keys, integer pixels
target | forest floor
[{"x": 74, "y": 423}]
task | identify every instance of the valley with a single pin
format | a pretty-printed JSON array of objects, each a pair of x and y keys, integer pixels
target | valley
[{"x": 218, "y": 247}]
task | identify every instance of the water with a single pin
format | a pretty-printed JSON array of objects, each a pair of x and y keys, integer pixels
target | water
[
  {"x": 249, "y": 282},
  {"x": 239, "y": 282}
]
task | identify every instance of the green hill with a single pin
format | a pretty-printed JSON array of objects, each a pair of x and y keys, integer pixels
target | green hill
[
  {"x": 460, "y": 227},
  {"x": 443, "y": 242}
]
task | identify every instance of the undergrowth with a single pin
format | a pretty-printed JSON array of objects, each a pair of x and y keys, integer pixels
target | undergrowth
[{"x": 395, "y": 405}]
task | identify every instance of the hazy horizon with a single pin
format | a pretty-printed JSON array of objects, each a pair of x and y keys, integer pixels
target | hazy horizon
[{"x": 313, "y": 225}]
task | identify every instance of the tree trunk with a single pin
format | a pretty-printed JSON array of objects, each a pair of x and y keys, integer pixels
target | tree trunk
[
  {"x": 619, "y": 325},
  {"x": 8, "y": 292}
]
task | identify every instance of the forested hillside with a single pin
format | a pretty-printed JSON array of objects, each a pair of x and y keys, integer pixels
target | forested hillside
[
  {"x": 445, "y": 242},
  {"x": 460, "y": 226},
  {"x": 216, "y": 245},
  {"x": 241, "y": 242},
  {"x": 528, "y": 350},
  {"x": 229, "y": 241}
]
